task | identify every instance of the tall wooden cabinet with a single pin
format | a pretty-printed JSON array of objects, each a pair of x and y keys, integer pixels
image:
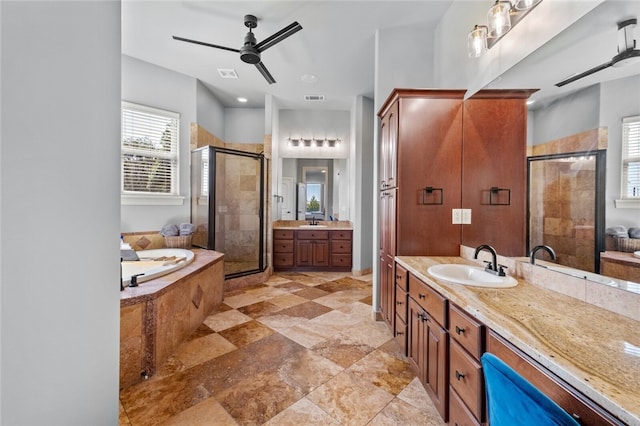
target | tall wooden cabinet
[{"x": 440, "y": 152}]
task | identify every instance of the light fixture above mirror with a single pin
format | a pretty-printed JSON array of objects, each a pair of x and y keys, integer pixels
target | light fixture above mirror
[
  {"x": 314, "y": 142},
  {"x": 501, "y": 17}
]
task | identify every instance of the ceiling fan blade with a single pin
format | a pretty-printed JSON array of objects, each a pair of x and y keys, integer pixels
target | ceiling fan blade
[
  {"x": 206, "y": 44},
  {"x": 265, "y": 73},
  {"x": 584, "y": 74},
  {"x": 278, "y": 37}
]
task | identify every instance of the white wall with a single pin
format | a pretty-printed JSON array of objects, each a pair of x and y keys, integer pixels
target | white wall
[
  {"x": 618, "y": 99},
  {"x": 209, "y": 111},
  {"x": 60, "y": 76},
  {"x": 244, "y": 125},
  {"x": 313, "y": 124}
]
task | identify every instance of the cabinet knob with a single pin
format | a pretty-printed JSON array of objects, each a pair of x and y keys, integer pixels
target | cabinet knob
[
  {"x": 459, "y": 375},
  {"x": 399, "y": 333},
  {"x": 422, "y": 296},
  {"x": 459, "y": 330},
  {"x": 399, "y": 302}
]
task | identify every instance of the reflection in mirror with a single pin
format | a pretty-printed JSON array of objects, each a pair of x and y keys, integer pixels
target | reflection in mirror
[
  {"x": 315, "y": 180},
  {"x": 566, "y": 207},
  {"x": 308, "y": 178}
]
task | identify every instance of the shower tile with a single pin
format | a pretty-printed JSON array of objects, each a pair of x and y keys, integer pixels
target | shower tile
[{"x": 248, "y": 332}]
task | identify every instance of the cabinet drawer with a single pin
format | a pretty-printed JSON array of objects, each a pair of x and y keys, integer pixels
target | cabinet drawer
[
  {"x": 341, "y": 235},
  {"x": 465, "y": 377},
  {"x": 341, "y": 246},
  {"x": 428, "y": 299},
  {"x": 343, "y": 260},
  {"x": 282, "y": 259},
  {"x": 459, "y": 414},
  {"x": 401, "y": 278},
  {"x": 312, "y": 235},
  {"x": 401, "y": 303},
  {"x": 283, "y": 246},
  {"x": 283, "y": 234},
  {"x": 400, "y": 334},
  {"x": 466, "y": 331}
]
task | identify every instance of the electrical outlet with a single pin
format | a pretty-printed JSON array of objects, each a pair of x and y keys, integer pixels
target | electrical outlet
[
  {"x": 456, "y": 216},
  {"x": 466, "y": 216}
]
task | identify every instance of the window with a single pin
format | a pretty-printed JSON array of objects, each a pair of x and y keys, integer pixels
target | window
[
  {"x": 631, "y": 158},
  {"x": 149, "y": 151}
]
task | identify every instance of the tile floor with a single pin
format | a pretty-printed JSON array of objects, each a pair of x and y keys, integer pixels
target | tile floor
[{"x": 300, "y": 349}]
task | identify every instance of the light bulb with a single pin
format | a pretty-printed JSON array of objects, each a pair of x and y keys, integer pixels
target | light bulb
[
  {"x": 498, "y": 18},
  {"x": 477, "y": 41}
]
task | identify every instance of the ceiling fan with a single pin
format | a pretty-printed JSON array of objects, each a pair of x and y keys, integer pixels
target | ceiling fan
[
  {"x": 627, "y": 52},
  {"x": 251, "y": 50}
]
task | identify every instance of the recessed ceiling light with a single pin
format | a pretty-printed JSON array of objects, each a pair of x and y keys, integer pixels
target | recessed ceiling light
[
  {"x": 241, "y": 99},
  {"x": 309, "y": 78}
]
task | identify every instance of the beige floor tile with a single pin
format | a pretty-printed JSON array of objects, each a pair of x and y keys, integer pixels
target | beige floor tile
[
  {"x": 205, "y": 413},
  {"x": 384, "y": 370},
  {"x": 303, "y": 413},
  {"x": 227, "y": 319},
  {"x": 350, "y": 400},
  {"x": 398, "y": 412},
  {"x": 203, "y": 349}
]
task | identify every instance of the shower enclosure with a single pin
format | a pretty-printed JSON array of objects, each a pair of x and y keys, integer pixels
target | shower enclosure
[
  {"x": 227, "y": 207},
  {"x": 566, "y": 206}
]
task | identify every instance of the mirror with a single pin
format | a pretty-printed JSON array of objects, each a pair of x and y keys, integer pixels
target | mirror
[
  {"x": 598, "y": 101},
  {"x": 325, "y": 189}
]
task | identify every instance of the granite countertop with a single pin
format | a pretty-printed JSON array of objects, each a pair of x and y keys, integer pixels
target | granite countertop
[
  {"x": 336, "y": 225},
  {"x": 595, "y": 350}
]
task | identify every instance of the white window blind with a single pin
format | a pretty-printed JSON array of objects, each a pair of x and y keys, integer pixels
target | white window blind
[
  {"x": 631, "y": 157},
  {"x": 149, "y": 150}
]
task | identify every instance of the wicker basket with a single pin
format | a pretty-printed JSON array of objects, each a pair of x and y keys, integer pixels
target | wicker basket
[
  {"x": 628, "y": 245},
  {"x": 181, "y": 241}
]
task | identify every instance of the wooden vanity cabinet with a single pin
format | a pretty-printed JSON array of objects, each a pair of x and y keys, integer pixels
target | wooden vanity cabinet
[
  {"x": 312, "y": 249},
  {"x": 580, "y": 407},
  {"x": 388, "y": 148},
  {"x": 401, "y": 307},
  {"x": 466, "y": 381},
  {"x": 282, "y": 248},
  {"x": 387, "y": 254},
  {"x": 428, "y": 342}
]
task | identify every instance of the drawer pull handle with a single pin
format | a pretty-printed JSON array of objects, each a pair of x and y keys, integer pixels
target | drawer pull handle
[
  {"x": 399, "y": 302},
  {"x": 459, "y": 375},
  {"x": 398, "y": 276},
  {"x": 459, "y": 330},
  {"x": 399, "y": 333},
  {"x": 422, "y": 296}
]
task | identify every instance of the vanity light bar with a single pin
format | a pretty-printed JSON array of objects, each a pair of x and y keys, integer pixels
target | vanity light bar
[{"x": 331, "y": 143}]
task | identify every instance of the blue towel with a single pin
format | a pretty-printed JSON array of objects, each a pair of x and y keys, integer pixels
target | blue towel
[
  {"x": 170, "y": 231},
  {"x": 512, "y": 400}
]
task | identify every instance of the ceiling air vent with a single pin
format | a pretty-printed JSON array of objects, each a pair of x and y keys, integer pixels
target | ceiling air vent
[
  {"x": 227, "y": 73},
  {"x": 314, "y": 98}
]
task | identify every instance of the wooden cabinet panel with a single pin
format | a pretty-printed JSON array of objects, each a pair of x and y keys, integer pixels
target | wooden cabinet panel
[
  {"x": 465, "y": 376},
  {"x": 282, "y": 260},
  {"x": 428, "y": 299},
  {"x": 400, "y": 333},
  {"x": 402, "y": 279},
  {"x": 312, "y": 249},
  {"x": 312, "y": 235},
  {"x": 341, "y": 235},
  {"x": 341, "y": 260},
  {"x": 466, "y": 331},
  {"x": 494, "y": 155},
  {"x": 283, "y": 234},
  {"x": 388, "y": 148},
  {"x": 401, "y": 303},
  {"x": 341, "y": 246},
  {"x": 459, "y": 414},
  {"x": 416, "y": 339},
  {"x": 555, "y": 388},
  {"x": 429, "y": 147},
  {"x": 283, "y": 246}
]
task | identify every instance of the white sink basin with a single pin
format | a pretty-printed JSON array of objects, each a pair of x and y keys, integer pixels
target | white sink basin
[
  {"x": 312, "y": 226},
  {"x": 470, "y": 275}
]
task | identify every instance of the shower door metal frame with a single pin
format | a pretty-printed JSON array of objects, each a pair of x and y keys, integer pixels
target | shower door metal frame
[
  {"x": 599, "y": 206},
  {"x": 211, "y": 237}
]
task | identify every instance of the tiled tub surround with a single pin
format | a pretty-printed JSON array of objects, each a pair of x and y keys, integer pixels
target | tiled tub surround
[
  {"x": 158, "y": 315},
  {"x": 593, "y": 349}
]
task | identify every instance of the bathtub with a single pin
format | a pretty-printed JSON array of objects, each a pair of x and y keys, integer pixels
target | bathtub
[{"x": 155, "y": 263}]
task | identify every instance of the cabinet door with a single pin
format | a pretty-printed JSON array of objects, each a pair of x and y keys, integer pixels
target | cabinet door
[
  {"x": 429, "y": 152},
  {"x": 416, "y": 339},
  {"x": 320, "y": 253},
  {"x": 388, "y": 222},
  {"x": 437, "y": 355},
  {"x": 388, "y": 148},
  {"x": 495, "y": 156},
  {"x": 304, "y": 253},
  {"x": 387, "y": 290}
]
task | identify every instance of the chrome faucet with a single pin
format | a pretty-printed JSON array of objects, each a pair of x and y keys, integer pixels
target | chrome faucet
[
  {"x": 492, "y": 267},
  {"x": 532, "y": 256}
]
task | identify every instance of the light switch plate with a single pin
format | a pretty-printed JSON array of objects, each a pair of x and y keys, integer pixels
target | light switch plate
[
  {"x": 456, "y": 216},
  {"x": 466, "y": 216}
]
